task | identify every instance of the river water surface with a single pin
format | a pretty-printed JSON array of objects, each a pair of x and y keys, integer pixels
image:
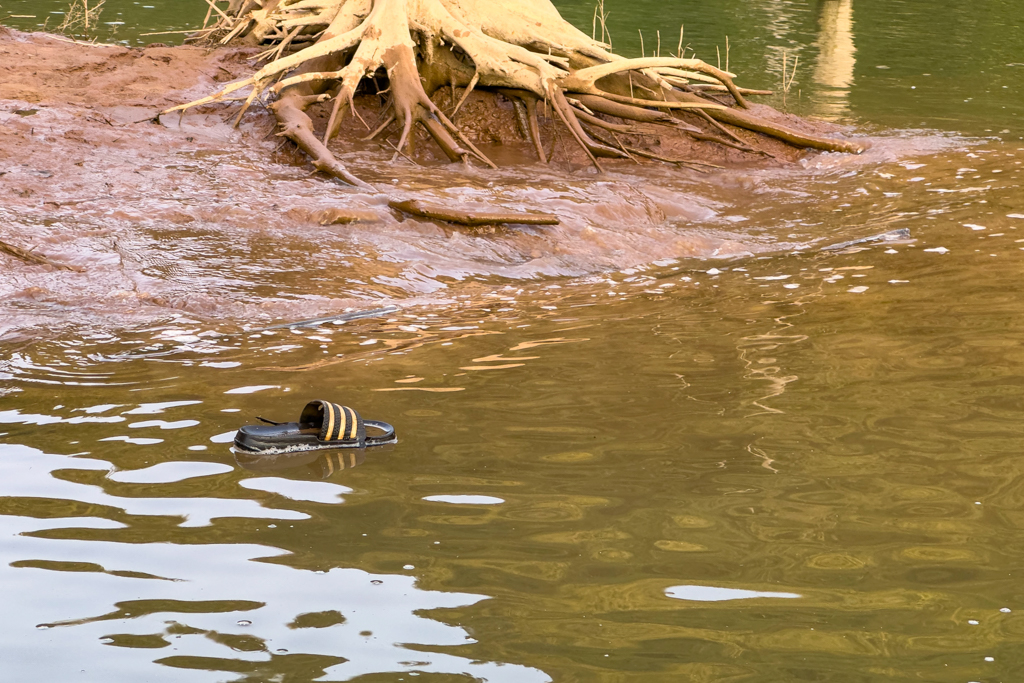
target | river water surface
[{"x": 701, "y": 432}]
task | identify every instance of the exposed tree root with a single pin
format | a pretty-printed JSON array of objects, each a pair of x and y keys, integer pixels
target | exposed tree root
[
  {"x": 472, "y": 218},
  {"x": 406, "y": 50},
  {"x": 525, "y": 103},
  {"x": 742, "y": 119},
  {"x": 297, "y": 126}
]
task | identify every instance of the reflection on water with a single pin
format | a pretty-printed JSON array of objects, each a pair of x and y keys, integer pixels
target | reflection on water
[
  {"x": 265, "y": 620},
  {"x": 188, "y": 603},
  {"x": 801, "y": 463},
  {"x": 836, "y": 56},
  {"x": 320, "y": 465}
]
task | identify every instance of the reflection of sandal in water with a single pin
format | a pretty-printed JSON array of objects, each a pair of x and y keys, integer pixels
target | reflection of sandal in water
[
  {"x": 322, "y": 425},
  {"x": 319, "y": 464},
  {"x": 329, "y": 463}
]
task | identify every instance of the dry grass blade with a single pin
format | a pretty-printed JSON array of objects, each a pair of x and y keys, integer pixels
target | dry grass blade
[
  {"x": 787, "y": 83},
  {"x": 80, "y": 17},
  {"x": 601, "y": 17},
  {"x": 218, "y": 10}
]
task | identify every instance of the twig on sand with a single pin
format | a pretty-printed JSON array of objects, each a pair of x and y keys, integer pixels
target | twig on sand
[{"x": 399, "y": 152}]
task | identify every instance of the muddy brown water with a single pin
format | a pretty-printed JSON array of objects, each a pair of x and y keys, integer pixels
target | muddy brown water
[{"x": 677, "y": 438}]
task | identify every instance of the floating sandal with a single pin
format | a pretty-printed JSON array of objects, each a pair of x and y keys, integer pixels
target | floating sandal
[{"x": 322, "y": 425}]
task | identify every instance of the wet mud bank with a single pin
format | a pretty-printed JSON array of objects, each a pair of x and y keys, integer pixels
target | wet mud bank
[{"x": 191, "y": 216}]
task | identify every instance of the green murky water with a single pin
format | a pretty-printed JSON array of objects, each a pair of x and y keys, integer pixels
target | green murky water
[{"x": 797, "y": 464}]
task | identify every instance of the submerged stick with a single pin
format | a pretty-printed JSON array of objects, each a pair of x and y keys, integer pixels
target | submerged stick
[
  {"x": 471, "y": 218},
  {"x": 35, "y": 259},
  {"x": 344, "y": 318},
  {"x": 898, "y": 235}
]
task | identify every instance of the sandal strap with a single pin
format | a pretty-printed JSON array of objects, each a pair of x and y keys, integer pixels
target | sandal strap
[{"x": 336, "y": 422}]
